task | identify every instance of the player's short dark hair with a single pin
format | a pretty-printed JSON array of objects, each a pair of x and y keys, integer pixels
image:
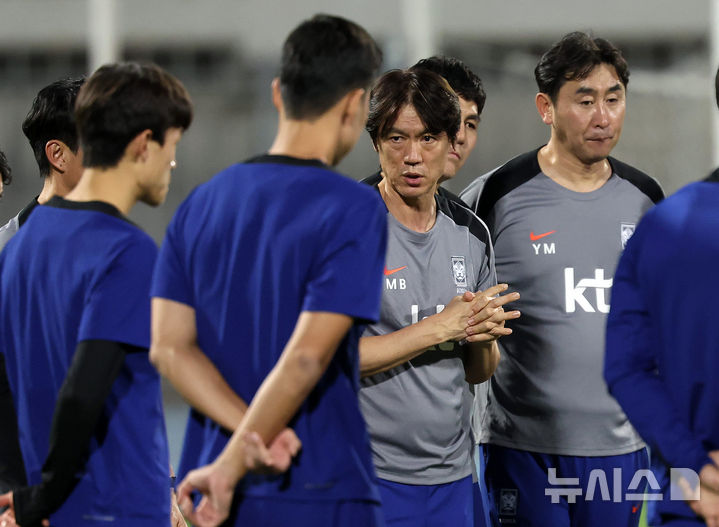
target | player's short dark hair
[
  {"x": 463, "y": 80},
  {"x": 323, "y": 59},
  {"x": 573, "y": 58},
  {"x": 5, "y": 171},
  {"x": 52, "y": 116},
  {"x": 429, "y": 94},
  {"x": 121, "y": 100}
]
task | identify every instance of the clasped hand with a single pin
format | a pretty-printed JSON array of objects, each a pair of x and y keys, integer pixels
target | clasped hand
[{"x": 480, "y": 316}]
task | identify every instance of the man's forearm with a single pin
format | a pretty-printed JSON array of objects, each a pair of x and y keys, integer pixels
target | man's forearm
[
  {"x": 480, "y": 361},
  {"x": 200, "y": 383},
  {"x": 94, "y": 367},
  {"x": 384, "y": 352},
  {"x": 301, "y": 365}
]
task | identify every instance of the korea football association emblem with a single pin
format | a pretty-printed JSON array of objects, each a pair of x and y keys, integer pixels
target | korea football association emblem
[
  {"x": 625, "y": 232},
  {"x": 459, "y": 270}
]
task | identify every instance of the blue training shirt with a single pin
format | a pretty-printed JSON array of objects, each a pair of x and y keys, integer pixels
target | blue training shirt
[
  {"x": 249, "y": 251},
  {"x": 81, "y": 271},
  {"x": 661, "y": 359}
]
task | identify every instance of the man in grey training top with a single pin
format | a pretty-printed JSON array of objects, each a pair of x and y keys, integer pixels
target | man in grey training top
[
  {"x": 559, "y": 217},
  {"x": 416, "y": 360}
]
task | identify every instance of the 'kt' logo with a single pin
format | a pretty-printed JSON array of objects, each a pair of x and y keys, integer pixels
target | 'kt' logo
[{"x": 574, "y": 294}]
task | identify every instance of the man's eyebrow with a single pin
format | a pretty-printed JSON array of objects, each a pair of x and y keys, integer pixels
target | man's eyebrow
[
  {"x": 397, "y": 131},
  {"x": 586, "y": 90}
]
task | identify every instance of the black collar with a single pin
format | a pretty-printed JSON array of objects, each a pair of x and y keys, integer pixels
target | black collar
[
  {"x": 713, "y": 177},
  {"x": 287, "y": 160},
  {"x": 97, "y": 206},
  {"x": 25, "y": 213}
]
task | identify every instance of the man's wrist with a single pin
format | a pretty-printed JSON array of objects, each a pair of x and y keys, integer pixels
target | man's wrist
[{"x": 232, "y": 466}]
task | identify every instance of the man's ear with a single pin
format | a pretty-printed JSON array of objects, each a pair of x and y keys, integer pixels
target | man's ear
[
  {"x": 138, "y": 148},
  {"x": 354, "y": 106},
  {"x": 277, "y": 95},
  {"x": 55, "y": 152},
  {"x": 545, "y": 107}
]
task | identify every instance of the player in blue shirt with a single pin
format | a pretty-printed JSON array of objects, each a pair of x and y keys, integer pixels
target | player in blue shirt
[
  {"x": 265, "y": 279},
  {"x": 75, "y": 316},
  {"x": 661, "y": 354},
  {"x": 51, "y": 131}
]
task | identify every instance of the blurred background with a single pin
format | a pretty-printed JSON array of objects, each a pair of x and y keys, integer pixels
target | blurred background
[{"x": 227, "y": 52}]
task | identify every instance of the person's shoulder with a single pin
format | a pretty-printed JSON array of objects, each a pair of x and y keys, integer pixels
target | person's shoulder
[
  {"x": 334, "y": 185},
  {"x": 116, "y": 235},
  {"x": 642, "y": 181},
  {"x": 484, "y": 192},
  {"x": 686, "y": 200},
  {"x": 373, "y": 180},
  {"x": 133, "y": 245},
  {"x": 356, "y": 198},
  {"x": 462, "y": 216},
  {"x": 451, "y": 196}
]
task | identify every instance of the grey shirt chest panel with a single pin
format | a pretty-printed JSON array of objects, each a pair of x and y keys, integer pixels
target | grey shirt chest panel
[
  {"x": 559, "y": 249},
  {"x": 418, "y": 413}
]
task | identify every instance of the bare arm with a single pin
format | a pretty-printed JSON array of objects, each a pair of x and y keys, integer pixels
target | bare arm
[
  {"x": 302, "y": 363},
  {"x": 478, "y": 318},
  {"x": 383, "y": 352},
  {"x": 176, "y": 355},
  {"x": 480, "y": 361}
]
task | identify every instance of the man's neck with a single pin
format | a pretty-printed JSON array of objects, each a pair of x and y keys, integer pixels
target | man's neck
[
  {"x": 570, "y": 172},
  {"x": 306, "y": 140},
  {"x": 108, "y": 186},
  {"x": 52, "y": 186},
  {"x": 417, "y": 213}
]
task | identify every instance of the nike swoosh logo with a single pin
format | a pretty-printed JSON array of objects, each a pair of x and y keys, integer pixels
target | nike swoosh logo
[
  {"x": 535, "y": 237},
  {"x": 388, "y": 272}
]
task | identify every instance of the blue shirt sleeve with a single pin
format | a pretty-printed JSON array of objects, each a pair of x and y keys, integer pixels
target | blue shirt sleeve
[
  {"x": 630, "y": 367},
  {"x": 169, "y": 278},
  {"x": 117, "y": 307},
  {"x": 347, "y": 275}
]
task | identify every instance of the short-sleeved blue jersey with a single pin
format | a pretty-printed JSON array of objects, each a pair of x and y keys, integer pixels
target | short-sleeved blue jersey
[
  {"x": 661, "y": 361},
  {"x": 80, "y": 271},
  {"x": 249, "y": 251}
]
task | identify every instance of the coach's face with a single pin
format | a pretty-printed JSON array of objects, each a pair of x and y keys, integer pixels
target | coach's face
[
  {"x": 412, "y": 158},
  {"x": 588, "y": 115}
]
